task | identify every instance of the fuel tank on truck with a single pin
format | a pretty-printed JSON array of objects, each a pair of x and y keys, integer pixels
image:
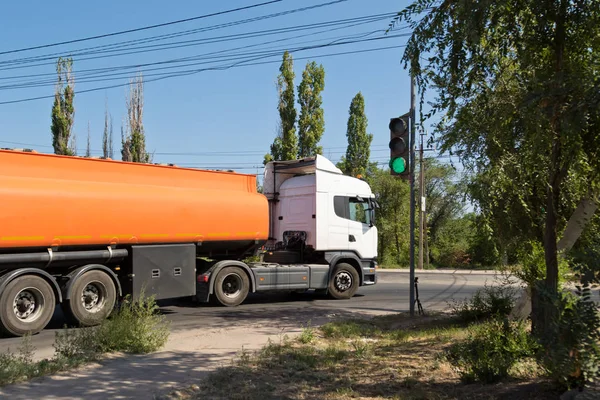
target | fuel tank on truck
[{"x": 50, "y": 200}]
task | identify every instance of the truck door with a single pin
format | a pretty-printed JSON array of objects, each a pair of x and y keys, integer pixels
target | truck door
[{"x": 362, "y": 234}]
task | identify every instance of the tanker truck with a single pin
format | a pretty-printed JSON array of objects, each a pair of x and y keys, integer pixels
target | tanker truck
[{"x": 84, "y": 233}]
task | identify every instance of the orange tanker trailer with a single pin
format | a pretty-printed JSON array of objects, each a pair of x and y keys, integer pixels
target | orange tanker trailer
[
  {"x": 51, "y": 201},
  {"x": 84, "y": 232}
]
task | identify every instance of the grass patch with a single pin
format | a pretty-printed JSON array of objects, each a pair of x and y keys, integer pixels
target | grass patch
[
  {"x": 135, "y": 327},
  {"x": 395, "y": 357}
]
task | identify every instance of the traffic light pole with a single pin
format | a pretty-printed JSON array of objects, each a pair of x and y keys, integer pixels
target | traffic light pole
[
  {"x": 421, "y": 203},
  {"x": 412, "y": 195}
]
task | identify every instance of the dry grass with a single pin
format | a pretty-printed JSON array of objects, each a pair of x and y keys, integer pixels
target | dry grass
[{"x": 392, "y": 357}]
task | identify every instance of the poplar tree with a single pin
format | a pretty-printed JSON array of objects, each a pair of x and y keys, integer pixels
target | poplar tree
[
  {"x": 88, "y": 149},
  {"x": 358, "y": 151},
  {"x": 134, "y": 144},
  {"x": 285, "y": 145},
  {"x": 311, "y": 123},
  {"x": 107, "y": 136},
  {"x": 63, "y": 109}
]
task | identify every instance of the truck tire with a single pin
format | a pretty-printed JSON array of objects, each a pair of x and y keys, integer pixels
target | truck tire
[
  {"x": 231, "y": 286},
  {"x": 344, "y": 281},
  {"x": 26, "y": 305},
  {"x": 92, "y": 298}
]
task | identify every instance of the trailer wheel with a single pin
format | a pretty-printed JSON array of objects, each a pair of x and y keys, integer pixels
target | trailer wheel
[
  {"x": 344, "y": 281},
  {"x": 26, "y": 305},
  {"x": 231, "y": 286},
  {"x": 92, "y": 298}
]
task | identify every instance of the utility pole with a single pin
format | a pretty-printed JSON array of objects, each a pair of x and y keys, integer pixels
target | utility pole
[
  {"x": 421, "y": 202},
  {"x": 412, "y": 194}
]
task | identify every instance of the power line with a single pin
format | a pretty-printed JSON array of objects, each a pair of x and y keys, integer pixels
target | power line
[
  {"x": 220, "y": 68},
  {"x": 204, "y": 153},
  {"x": 142, "y": 28},
  {"x": 242, "y": 57},
  {"x": 128, "y": 44},
  {"x": 215, "y": 55},
  {"x": 353, "y": 21}
]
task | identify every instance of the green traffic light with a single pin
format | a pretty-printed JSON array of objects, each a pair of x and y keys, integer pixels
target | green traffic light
[{"x": 398, "y": 165}]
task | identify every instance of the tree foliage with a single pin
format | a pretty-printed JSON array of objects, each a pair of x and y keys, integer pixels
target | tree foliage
[
  {"x": 358, "y": 152},
  {"x": 88, "y": 147},
  {"x": 63, "y": 109},
  {"x": 285, "y": 145},
  {"x": 454, "y": 238},
  {"x": 519, "y": 87},
  {"x": 107, "y": 135},
  {"x": 392, "y": 218},
  {"x": 311, "y": 123},
  {"x": 134, "y": 144}
]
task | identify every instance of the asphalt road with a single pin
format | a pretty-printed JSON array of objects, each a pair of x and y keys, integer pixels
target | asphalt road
[{"x": 390, "y": 294}]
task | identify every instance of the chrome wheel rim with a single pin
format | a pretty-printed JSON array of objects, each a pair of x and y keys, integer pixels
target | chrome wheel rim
[
  {"x": 343, "y": 281},
  {"x": 29, "y": 304}
]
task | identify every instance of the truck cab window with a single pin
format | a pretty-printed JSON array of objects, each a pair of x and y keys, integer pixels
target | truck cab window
[{"x": 359, "y": 211}]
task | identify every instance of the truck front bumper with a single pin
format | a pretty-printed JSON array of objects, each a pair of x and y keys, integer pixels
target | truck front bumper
[{"x": 370, "y": 274}]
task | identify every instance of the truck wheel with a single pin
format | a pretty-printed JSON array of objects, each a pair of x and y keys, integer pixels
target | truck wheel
[
  {"x": 344, "y": 281},
  {"x": 27, "y": 305},
  {"x": 231, "y": 286},
  {"x": 92, "y": 298}
]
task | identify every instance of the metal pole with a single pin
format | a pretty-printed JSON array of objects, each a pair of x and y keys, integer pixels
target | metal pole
[
  {"x": 412, "y": 195},
  {"x": 421, "y": 203}
]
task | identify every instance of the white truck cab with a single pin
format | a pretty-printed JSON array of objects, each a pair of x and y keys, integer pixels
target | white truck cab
[{"x": 333, "y": 212}]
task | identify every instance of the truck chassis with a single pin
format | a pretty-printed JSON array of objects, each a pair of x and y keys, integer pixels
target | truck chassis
[{"x": 89, "y": 283}]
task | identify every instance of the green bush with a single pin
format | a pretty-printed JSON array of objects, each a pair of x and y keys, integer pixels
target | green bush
[
  {"x": 135, "y": 328},
  {"x": 532, "y": 264},
  {"x": 491, "y": 301},
  {"x": 490, "y": 350},
  {"x": 571, "y": 353}
]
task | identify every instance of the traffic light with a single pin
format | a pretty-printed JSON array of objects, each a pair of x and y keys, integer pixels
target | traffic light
[{"x": 399, "y": 147}]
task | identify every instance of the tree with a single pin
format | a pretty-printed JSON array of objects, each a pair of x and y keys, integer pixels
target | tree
[
  {"x": 107, "y": 136},
  {"x": 134, "y": 144},
  {"x": 88, "y": 150},
  {"x": 63, "y": 109},
  {"x": 392, "y": 217},
  {"x": 285, "y": 145},
  {"x": 445, "y": 206},
  {"x": 519, "y": 88},
  {"x": 311, "y": 124},
  {"x": 358, "y": 151}
]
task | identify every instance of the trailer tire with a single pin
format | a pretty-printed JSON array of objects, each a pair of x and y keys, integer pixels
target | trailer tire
[
  {"x": 231, "y": 286},
  {"x": 344, "y": 281},
  {"x": 26, "y": 305},
  {"x": 92, "y": 298}
]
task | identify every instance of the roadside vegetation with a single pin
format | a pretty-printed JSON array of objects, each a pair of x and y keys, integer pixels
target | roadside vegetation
[
  {"x": 134, "y": 327},
  {"x": 474, "y": 351}
]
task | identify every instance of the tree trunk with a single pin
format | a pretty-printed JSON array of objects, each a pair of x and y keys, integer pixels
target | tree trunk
[{"x": 547, "y": 311}]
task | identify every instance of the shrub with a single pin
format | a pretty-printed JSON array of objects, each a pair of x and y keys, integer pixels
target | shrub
[
  {"x": 571, "y": 353},
  {"x": 532, "y": 264},
  {"x": 491, "y": 301},
  {"x": 135, "y": 328},
  {"x": 490, "y": 350}
]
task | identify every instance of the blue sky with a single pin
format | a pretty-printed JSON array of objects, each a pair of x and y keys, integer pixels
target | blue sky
[{"x": 189, "y": 119}]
